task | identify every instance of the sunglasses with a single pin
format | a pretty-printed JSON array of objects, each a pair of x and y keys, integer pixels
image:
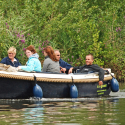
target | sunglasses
[{"x": 11, "y": 53}]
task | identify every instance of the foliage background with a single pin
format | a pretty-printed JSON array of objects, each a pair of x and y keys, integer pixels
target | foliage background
[{"x": 75, "y": 27}]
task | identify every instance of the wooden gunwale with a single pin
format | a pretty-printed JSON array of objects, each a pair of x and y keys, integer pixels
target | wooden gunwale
[{"x": 56, "y": 80}]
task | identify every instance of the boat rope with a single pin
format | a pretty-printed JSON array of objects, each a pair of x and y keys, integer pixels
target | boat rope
[{"x": 57, "y": 80}]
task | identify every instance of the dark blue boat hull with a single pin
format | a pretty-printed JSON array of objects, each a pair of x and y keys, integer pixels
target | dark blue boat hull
[{"x": 23, "y": 89}]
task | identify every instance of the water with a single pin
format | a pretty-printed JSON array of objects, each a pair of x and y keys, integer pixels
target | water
[{"x": 86, "y": 111}]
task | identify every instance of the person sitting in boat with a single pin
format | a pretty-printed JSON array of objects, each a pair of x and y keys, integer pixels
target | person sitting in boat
[
  {"x": 89, "y": 67},
  {"x": 33, "y": 63},
  {"x": 11, "y": 59},
  {"x": 50, "y": 64},
  {"x": 64, "y": 66}
]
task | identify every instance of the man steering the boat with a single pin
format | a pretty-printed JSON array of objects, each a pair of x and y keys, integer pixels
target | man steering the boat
[
  {"x": 64, "y": 66},
  {"x": 89, "y": 67}
]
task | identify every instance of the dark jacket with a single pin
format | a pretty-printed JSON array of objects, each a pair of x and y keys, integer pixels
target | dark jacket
[
  {"x": 7, "y": 61},
  {"x": 91, "y": 68},
  {"x": 64, "y": 64}
]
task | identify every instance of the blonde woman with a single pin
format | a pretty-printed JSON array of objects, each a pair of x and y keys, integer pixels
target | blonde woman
[{"x": 11, "y": 59}]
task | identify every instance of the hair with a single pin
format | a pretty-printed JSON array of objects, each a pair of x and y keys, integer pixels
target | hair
[
  {"x": 31, "y": 48},
  {"x": 91, "y": 56},
  {"x": 50, "y": 52},
  {"x": 12, "y": 49},
  {"x": 56, "y": 50}
]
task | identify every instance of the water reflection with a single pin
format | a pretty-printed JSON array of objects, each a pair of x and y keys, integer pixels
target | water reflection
[
  {"x": 38, "y": 112},
  {"x": 95, "y": 111},
  {"x": 34, "y": 113}
]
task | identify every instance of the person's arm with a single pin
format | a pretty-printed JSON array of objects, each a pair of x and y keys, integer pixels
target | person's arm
[
  {"x": 64, "y": 64},
  {"x": 62, "y": 69},
  {"x": 67, "y": 66},
  {"x": 100, "y": 83},
  {"x": 29, "y": 67},
  {"x": 101, "y": 73},
  {"x": 70, "y": 70}
]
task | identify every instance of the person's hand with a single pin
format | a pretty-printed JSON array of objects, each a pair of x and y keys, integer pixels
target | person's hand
[
  {"x": 18, "y": 68},
  {"x": 63, "y": 69},
  {"x": 100, "y": 83},
  {"x": 70, "y": 70}
]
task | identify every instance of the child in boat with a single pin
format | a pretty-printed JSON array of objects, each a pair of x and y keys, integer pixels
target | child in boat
[
  {"x": 33, "y": 63},
  {"x": 50, "y": 64}
]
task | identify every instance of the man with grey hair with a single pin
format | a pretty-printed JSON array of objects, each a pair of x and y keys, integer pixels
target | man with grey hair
[{"x": 64, "y": 66}]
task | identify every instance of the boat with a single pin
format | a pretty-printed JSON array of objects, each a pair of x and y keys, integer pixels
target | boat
[{"x": 20, "y": 85}]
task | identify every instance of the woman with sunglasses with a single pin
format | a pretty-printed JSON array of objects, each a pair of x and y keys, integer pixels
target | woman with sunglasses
[{"x": 11, "y": 59}]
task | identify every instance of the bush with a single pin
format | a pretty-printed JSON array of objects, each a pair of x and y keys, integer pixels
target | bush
[{"x": 75, "y": 27}]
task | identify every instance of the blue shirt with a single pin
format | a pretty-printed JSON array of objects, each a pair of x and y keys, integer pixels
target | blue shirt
[
  {"x": 64, "y": 64},
  {"x": 8, "y": 61}
]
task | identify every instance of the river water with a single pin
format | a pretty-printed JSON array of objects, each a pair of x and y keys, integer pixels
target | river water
[{"x": 96, "y": 111}]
